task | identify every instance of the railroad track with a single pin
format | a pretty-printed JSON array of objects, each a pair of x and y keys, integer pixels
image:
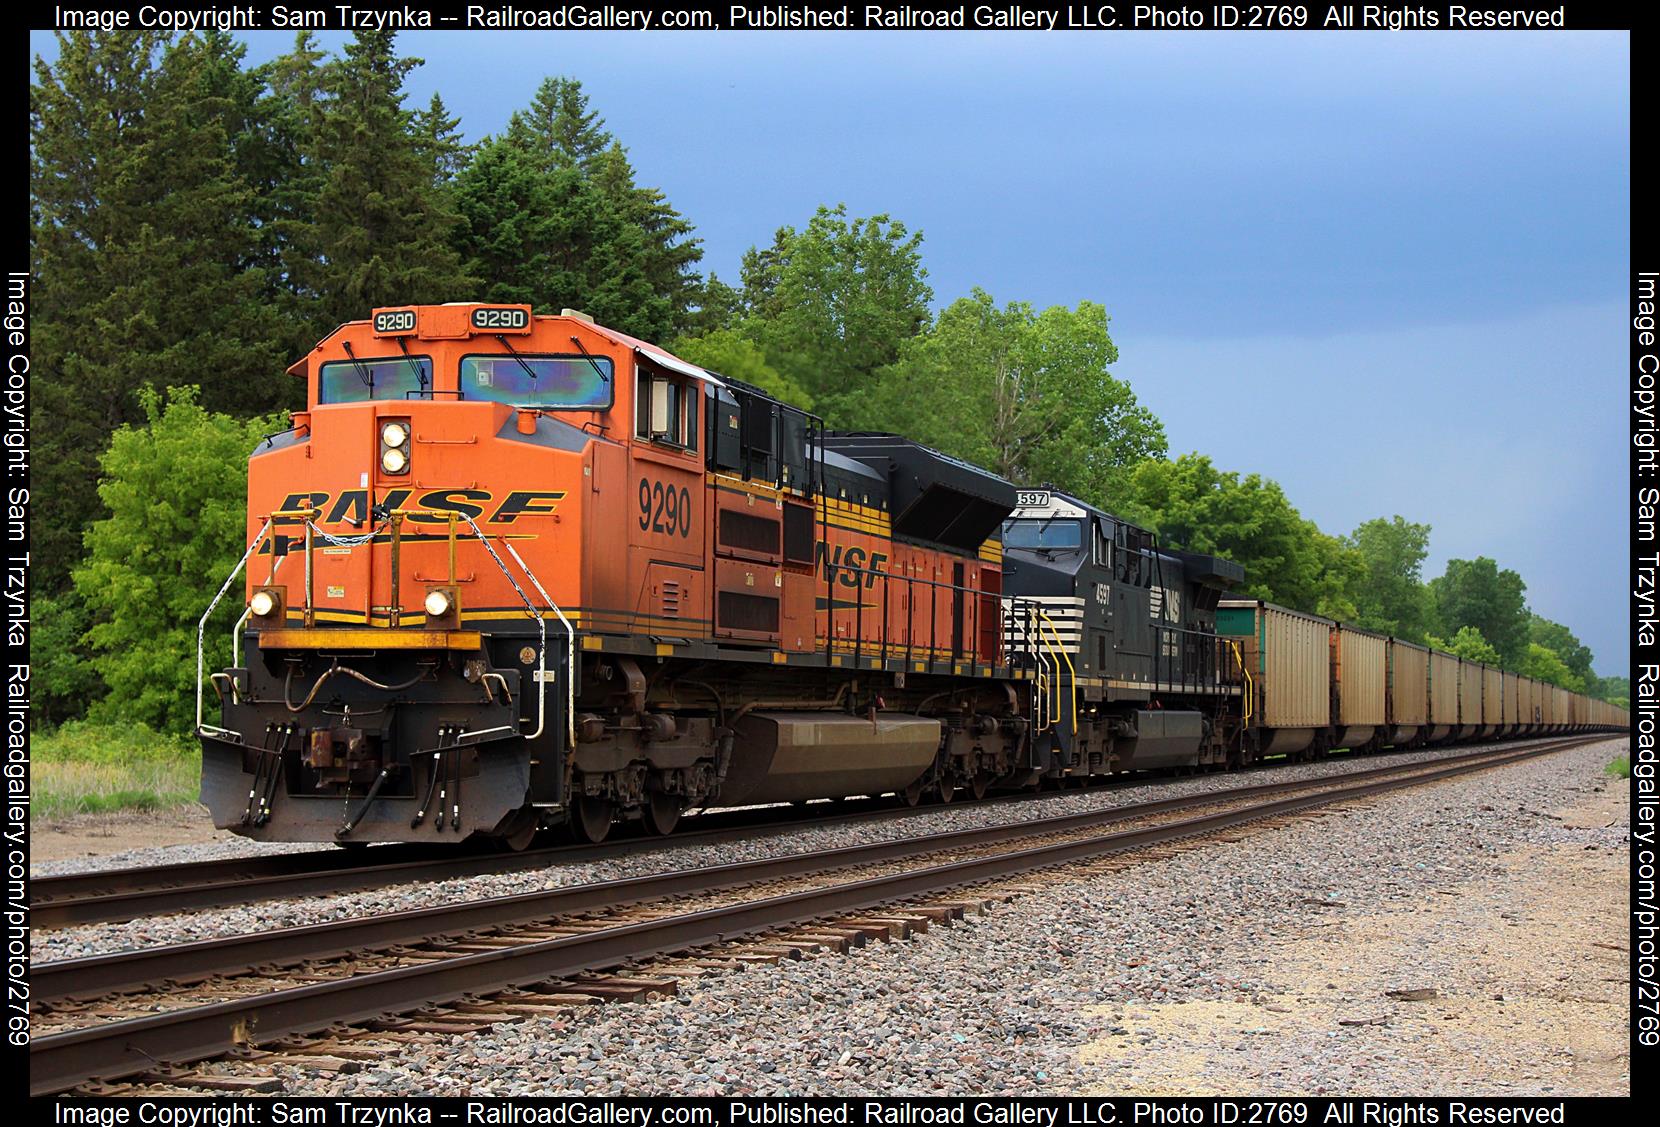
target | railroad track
[
  {"x": 493, "y": 960},
  {"x": 116, "y": 895}
]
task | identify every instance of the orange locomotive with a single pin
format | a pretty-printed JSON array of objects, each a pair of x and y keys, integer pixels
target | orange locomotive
[{"x": 509, "y": 571}]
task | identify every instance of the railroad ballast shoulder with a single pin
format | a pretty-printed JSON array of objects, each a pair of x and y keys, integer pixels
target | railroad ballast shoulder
[{"x": 511, "y": 571}]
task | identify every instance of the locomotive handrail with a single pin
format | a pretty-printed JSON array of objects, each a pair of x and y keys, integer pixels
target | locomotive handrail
[
  {"x": 201, "y": 631},
  {"x": 247, "y": 612},
  {"x": 1250, "y": 699},
  {"x": 541, "y": 626},
  {"x": 1071, "y": 670},
  {"x": 570, "y": 647},
  {"x": 971, "y": 622}
]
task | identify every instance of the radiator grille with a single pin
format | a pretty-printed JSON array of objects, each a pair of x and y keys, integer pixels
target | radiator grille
[
  {"x": 750, "y": 533},
  {"x": 737, "y": 611}
]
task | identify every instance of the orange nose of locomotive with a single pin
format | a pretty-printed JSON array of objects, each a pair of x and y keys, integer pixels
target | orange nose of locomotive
[
  {"x": 433, "y": 473},
  {"x": 419, "y": 529}
]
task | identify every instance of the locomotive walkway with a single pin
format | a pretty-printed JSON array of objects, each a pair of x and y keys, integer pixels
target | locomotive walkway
[{"x": 466, "y": 956}]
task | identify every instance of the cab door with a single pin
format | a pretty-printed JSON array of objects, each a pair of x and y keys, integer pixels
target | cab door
[{"x": 668, "y": 526}]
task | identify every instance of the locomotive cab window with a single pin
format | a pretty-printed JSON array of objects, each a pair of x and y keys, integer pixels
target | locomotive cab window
[
  {"x": 666, "y": 408},
  {"x": 568, "y": 383},
  {"x": 1043, "y": 535},
  {"x": 357, "y": 381}
]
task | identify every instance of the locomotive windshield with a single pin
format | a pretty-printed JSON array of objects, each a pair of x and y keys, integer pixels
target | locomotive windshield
[
  {"x": 1045, "y": 534},
  {"x": 354, "y": 381},
  {"x": 571, "y": 382}
]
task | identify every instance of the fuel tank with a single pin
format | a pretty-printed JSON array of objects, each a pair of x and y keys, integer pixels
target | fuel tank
[{"x": 791, "y": 756}]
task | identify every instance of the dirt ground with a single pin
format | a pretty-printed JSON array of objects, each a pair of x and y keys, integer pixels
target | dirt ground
[
  {"x": 1518, "y": 984},
  {"x": 95, "y": 835}
]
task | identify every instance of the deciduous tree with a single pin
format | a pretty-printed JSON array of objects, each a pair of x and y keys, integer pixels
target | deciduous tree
[
  {"x": 175, "y": 528},
  {"x": 1028, "y": 395},
  {"x": 1478, "y": 593},
  {"x": 1391, "y": 598},
  {"x": 832, "y": 303}
]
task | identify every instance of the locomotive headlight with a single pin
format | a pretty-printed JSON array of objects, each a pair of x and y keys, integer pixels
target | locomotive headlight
[
  {"x": 438, "y": 604},
  {"x": 262, "y": 604},
  {"x": 394, "y": 434},
  {"x": 393, "y": 460}
]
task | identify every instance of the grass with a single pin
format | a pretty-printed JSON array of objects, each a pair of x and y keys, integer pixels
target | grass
[
  {"x": 84, "y": 768},
  {"x": 1620, "y": 768}
]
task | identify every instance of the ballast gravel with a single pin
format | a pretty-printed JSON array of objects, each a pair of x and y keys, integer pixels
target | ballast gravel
[
  {"x": 1049, "y": 994},
  {"x": 652, "y": 857},
  {"x": 1177, "y": 975}
]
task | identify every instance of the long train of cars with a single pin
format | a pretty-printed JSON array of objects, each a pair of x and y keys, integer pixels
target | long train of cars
[{"x": 510, "y": 571}]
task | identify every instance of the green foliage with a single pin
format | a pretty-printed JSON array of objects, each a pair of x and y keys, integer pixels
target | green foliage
[
  {"x": 1028, "y": 395},
  {"x": 1560, "y": 640},
  {"x": 375, "y": 229},
  {"x": 552, "y": 216},
  {"x": 1614, "y": 690},
  {"x": 1391, "y": 598},
  {"x": 831, "y": 304},
  {"x": 559, "y": 128},
  {"x": 1476, "y": 593},
  {"x": 718, "y": 306},
  {"x": 62, "y": 681},
  {"x": 728, "y": 354},
  {"x": 438, "y": 140},
  {"x": 1195, "y": 506},
  {"x": 84, "y": 767},
  {"x": 1544, "y": 665},
  {"x": 552, "y": 239},
  {"x": 176, "y": 491},
  {"x": 1469, "y": 645},
  {"x": 1619, "y": 767},
  {"x": 146, "y": 252}
]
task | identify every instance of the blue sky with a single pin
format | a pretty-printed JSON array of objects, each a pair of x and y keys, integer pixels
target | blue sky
[{"x": 1387, "y": 270}]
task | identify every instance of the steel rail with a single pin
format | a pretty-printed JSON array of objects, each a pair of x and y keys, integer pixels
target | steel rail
[
  {"x": 115, "y": 895},
  {"x": 191, "y": 962},
  {"x": 113, "y": 1050}
]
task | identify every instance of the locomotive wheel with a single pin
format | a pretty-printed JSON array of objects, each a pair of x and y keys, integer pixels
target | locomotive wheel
[
  {"x": 912, "y": 795},
  {"x": 979, "y": 787},
  {"x": 521, "y": 833},
  {"x": 661, "y": 813},
  {"x": 591, "y": 819}
]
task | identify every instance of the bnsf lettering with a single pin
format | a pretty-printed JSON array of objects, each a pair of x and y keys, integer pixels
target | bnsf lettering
[
  {"x": 450, "y": 501},
  {"x": 525, "y": 504},
  {"x": 353, "y": 506},
  {"x": 834, "y": 565}
]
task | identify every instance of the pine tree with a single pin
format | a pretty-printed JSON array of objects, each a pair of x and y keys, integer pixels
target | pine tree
[
  {"x": 633, "y": 268},
  {"x": 146, "y": 255},
  {"x": 671, "y": 253},
  {"x": 377, "y": 231},
  {"x": 559, "y": 128},
  {"x": 287, "y": 182},
  {"x": 553, "y": 240},
  {"x": 438, "y": 136}
]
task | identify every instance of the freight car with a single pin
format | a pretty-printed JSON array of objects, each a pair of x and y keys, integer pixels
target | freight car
[{"x": 510, "y": 571}]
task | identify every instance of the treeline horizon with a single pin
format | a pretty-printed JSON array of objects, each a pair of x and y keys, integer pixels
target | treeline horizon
[{"x": 197, "y": 223}]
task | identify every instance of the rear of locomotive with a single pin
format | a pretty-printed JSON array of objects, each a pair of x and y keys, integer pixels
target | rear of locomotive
[{"x": 402, "y": 666}]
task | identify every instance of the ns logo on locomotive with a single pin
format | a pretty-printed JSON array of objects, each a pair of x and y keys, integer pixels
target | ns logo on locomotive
[{"x": 509, "y": 572}]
